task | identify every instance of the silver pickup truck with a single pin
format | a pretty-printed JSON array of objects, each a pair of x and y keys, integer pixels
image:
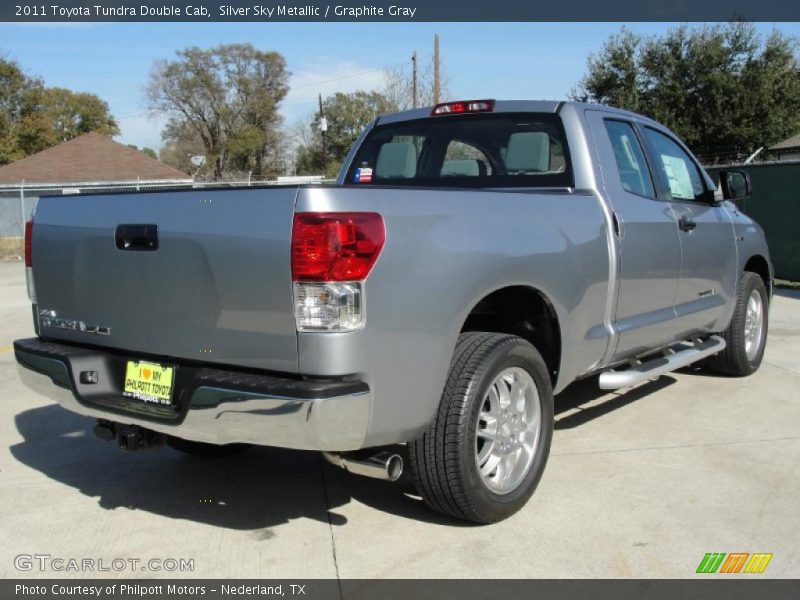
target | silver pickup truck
[{"x": 470, "y": 262}]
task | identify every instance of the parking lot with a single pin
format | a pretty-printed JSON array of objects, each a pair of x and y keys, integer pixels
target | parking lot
[{"x": 639, "y": 484}]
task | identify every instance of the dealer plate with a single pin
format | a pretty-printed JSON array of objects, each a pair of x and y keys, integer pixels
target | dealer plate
[{"x": 149, "y": 382}]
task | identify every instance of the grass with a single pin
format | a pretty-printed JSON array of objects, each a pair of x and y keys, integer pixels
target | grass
[
  {"x": 11, "y": 248},
  {"x": 785, "y": 284}
]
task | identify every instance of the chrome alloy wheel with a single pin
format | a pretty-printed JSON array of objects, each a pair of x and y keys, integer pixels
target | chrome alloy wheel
[
  {"x": 508, "y": 429},
  {"x": 753, "y": 325}
]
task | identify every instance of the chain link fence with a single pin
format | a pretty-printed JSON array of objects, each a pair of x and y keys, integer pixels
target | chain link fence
[
  {"x": 15, "y": 208},
  {"x": 18, "y": 201}
]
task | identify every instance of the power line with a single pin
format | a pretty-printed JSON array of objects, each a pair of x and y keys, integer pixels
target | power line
[{"x": 322, "y": 81}]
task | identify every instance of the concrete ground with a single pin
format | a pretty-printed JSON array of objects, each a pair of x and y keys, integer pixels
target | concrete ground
[{"x": 639, "y": 484}]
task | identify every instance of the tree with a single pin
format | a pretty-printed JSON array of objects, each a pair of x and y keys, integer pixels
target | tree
[
  {"x": 724, "y": 89},
  {"x": 14, "y": 85},
  {"x": 181, "y": 143},
  {"x": 347, "y": 116},
  {"x": 228, "y": 97},
  {"x": 34, "y": 117},
  {"x": 149, "y": 152},
  {"x": 75, "y": 113},
  {"x": 397, "y": 86},
  {"x": 51, "y": 116}
]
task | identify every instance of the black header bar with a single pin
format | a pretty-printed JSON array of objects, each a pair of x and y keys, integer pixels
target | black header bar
[{"x": 398, "y": 10}]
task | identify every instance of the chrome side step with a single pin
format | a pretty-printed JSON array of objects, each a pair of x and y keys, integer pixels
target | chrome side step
[{"x": 674, "y": 358}]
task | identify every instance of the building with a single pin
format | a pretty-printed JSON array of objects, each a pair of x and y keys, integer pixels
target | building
[
  {"x": 787, "y": 149},
  {"x": 89, "y": 159}
]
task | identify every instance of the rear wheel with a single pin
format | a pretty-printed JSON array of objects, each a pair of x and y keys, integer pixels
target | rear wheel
[
  {"x": 204, "y": 450},
  {"x": 484, "y": 454},
  {"x": 746, "y": 336}
]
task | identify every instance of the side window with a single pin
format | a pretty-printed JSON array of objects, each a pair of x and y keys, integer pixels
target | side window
[
  {"x": 679, "y": 170},
  {"x": 631, "y": 164},
  {"x": 464, "y": 160}
]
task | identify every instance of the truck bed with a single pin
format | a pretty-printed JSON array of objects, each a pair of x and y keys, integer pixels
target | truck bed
[{"x": 216, "y": 289}]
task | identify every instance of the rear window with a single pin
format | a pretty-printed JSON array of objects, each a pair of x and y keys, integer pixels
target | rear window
[{"x": 478, "y": 150}]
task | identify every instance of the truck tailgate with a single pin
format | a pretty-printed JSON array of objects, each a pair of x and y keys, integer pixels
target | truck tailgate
[{"x": 216, "y": 289}]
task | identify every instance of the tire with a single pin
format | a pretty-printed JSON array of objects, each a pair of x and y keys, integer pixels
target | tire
[
  {"x": 741, "y": 357},
  {"x": 203, "y": 450},
  {"x": 444, "y": 461}
]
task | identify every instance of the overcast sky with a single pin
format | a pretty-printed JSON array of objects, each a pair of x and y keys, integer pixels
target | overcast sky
[{"x": 494, "y": 60}]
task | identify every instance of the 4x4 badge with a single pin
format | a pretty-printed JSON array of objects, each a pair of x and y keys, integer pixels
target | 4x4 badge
[{"x": 49, "y": 318}]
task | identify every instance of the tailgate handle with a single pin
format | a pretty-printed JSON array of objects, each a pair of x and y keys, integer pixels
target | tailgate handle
[{"x": 137, "y": 237}]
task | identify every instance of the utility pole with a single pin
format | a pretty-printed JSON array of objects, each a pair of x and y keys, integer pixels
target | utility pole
[
  {"x": 414, "y": 79},
  {"x": 323, "y": 127},
  {"x": 437, "y": 83}
]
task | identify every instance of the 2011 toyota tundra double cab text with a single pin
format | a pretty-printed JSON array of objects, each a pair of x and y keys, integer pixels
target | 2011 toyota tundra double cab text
[{"x": 469, "y": 263}]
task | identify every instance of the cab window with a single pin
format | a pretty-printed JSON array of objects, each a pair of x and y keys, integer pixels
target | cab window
[
  {"x": 634, "y": 174},
  {"x": 679, "y": 171},
  {"x": 464, "y": 160},
  {"x": 475, "y": 150}
]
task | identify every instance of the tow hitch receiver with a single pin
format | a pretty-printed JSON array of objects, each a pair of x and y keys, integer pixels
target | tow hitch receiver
[{"x": 131, "y": 437}]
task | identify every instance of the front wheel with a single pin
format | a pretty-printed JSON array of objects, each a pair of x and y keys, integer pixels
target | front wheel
[
  {"x": 484, "y": 454},
  {"x": 746, "y": 336}
]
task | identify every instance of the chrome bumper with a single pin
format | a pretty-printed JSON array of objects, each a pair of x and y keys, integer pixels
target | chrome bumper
[{"x": 219, "y": 411}]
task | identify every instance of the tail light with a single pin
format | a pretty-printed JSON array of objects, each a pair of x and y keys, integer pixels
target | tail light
[
  {"x": 463, "y": 106},
  {"x": 29, "y": 261},
  {"x": 332, "y": 255},
  {"x": 335, "y": 246}
]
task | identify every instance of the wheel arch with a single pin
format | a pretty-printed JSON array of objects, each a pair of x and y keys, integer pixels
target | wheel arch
[
  {"x": 759, "y": 265},
  {"x": 521, "y": 310}
]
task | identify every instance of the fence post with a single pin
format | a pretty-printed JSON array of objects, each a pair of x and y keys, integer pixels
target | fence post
[{"x": 22, "y": 206}]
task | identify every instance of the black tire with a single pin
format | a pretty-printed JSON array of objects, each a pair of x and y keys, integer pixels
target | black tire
[
  {"x": 443, "y": 463},
  {"x": 203, "y": 450},
  {"x": 733, "y": 361}
]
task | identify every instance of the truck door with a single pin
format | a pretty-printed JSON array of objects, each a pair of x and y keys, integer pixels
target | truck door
[
  {"x": 709, "y": 262},
  {"x": 647, "y": 237}
]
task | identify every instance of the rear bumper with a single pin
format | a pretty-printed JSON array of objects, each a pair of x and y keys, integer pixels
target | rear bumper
[{"x": 210, "y": 405}]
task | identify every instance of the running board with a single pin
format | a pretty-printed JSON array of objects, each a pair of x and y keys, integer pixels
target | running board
[{"x": 674, "y": 358}]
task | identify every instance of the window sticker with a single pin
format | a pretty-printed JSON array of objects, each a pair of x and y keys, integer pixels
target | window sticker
[
  {"x": 680, "y": 182},
  {"x": 363, "y": 175}
]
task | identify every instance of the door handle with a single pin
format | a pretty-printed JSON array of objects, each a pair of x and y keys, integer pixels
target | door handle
[
  {"x": 686, "y": 224},
  {"x": 137, "y": 237}
]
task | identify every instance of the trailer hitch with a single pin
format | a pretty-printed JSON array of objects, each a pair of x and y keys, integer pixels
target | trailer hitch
[{"x": 131, "y": 438}]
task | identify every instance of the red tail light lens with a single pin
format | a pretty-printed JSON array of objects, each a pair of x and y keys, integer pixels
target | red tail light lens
[
  {"x": 335, "y": 246},
  {"x": 464, "y": 106},
  {"x": 28, "y": 236}
]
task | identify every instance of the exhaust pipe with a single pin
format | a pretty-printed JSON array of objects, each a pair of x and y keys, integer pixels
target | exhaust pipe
[{"x": 382, "y": 465}]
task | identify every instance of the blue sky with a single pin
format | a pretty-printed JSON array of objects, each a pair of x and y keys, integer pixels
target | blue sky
[{"x": 496, "y": 60}]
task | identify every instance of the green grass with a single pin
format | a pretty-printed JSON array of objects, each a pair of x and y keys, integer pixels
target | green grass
[{"x": 787, "y": 285}]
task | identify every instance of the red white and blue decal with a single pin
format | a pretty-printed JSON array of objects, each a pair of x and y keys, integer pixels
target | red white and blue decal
[{"x": 363, "y": 175}]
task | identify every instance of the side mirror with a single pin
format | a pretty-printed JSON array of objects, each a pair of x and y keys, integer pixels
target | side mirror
[{"x": 735, "y": 185}]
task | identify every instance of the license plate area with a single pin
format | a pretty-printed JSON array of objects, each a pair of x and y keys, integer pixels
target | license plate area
[{"x": 149, "y": 382}]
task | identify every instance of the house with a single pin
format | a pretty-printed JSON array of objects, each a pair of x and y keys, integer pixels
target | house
[
  {"x": 89, "y": 159},
  {"x": 787, "y": 149}
]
